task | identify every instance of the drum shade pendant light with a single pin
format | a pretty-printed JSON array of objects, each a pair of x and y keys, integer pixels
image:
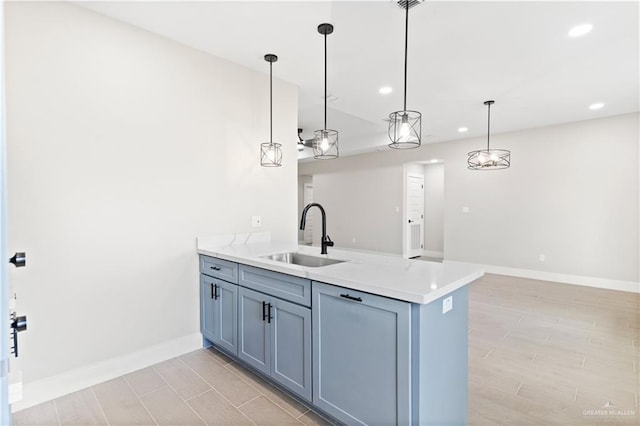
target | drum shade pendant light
[
  {"x": 325, "y": 142},
  {"x": 489, "y": 159},
  {"x": 405, "y": 127},
  {"x": 270, "y": 152}
]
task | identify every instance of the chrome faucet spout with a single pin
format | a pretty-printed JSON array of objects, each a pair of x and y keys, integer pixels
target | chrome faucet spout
[{"x": 326, "y": 241}]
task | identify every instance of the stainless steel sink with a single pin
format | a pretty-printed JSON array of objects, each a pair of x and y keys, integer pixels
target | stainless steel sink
[{"x": 302, "y": 259}]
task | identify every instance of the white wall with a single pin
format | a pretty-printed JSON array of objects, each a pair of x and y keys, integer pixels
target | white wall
[
  {"x": 124, "y": 147},
  {"x": 434, "y": 208},
  {"x": 571, "y": 194}
]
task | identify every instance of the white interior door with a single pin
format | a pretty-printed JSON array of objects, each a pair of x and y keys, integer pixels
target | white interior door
[
  {"x": 415, "y": 215},
  {"x": 307, "y": 197}
]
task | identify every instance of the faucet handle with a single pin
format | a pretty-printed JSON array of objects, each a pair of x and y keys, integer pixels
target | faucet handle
[{"x": 328, "y": 242}]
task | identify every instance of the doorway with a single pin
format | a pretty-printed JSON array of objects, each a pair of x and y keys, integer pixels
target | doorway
[
  {"x": 423, "y": 226},
  {"x": 305, "y": 196},
  {"x": 415, "y": 215}
]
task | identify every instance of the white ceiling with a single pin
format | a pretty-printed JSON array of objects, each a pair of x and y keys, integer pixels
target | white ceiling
[{"x": 460, "y": 54}]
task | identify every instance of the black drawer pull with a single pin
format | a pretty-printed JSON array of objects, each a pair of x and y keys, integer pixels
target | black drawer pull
[
  {"x": 215, "y": 268},
  {"x": 346, "y": 296},
  {"x": 215, "y": 292},
  {"x": 264, "y": 311},
  {"x": 269, "y": 317},
  {"x": 212, "y": 290}
]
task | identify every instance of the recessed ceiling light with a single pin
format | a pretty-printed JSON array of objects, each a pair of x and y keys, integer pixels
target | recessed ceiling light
[
  {"x": 580, "y": 30},
  {"x": 597, "y": 105},
  {"x": 434, "y": 161},
  {"x": 385, "y": 90},
  {"x": 462, "y": 129}
]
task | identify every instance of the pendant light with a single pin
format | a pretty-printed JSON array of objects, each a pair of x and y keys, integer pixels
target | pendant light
[
  {"x": 489, "y": 159},
  {"x": 405, "y": 127},
  {"x": 325, "y": 142},
  {"x": 300, "y": 141},
  {"x": 270, "y": 152}
]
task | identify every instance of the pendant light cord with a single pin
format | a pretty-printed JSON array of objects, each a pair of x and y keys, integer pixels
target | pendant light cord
[
  {"x": 271, "y": 103},
  {"x": 406, "y": 43},
  {"x": 325, "y": 81},
  {"x": 488, "y": 124}
]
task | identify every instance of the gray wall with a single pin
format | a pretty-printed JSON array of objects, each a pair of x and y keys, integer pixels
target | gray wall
[
  {"x": 362, "y": 205},
  {"x": 570, "y": 194}
]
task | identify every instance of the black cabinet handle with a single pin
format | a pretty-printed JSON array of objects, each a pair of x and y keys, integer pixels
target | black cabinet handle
[
  {"x": 269, "y": 317},
  {"x": 346, "y": 296},
  {"x": 215, "y": 292},
  {"x": 212, "y": 296},
  {"x": 215, "y": 268},
  {"x": 264, "y": 311},
  {"x": 18, "y": 323}
]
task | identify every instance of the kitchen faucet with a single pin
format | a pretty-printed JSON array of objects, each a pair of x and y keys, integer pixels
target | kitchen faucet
[{"x": 326, "y": 241}]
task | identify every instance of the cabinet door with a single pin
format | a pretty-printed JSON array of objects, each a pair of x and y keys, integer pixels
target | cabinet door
[
  {"x": 207, "y": 308},
  {"x": 226, "y": 316},
  {"x": 361, "y": 349},
  {"x": 291, "y": 347},
  {"x": 253, "y": 329}
]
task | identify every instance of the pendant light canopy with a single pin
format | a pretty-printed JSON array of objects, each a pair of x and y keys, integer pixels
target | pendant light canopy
[
  {"x": 405, "y": 127},
  {"x": 325, "y": 142},
  {"x": 489, "y": 159},
  {"x": 270, "y": 152}
]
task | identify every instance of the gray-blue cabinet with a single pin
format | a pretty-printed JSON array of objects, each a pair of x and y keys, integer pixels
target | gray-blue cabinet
[
  {"x": 362, "y": 356},
  {"x": 254, "y": 331},
  {"x": 275, "y": 338},
  {"x": 218, "y": 313}
]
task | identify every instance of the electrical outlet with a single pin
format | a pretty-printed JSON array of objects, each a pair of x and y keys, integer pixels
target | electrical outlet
[
  {"x": 542, "y": 258},
  {"x": 447, "y": 304},
  {"x": 354, "y": 239},
  {"x": 256, "y": 222}
]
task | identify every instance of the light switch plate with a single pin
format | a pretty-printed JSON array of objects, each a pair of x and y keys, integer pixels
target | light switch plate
[{"x": 447, "y": 304}]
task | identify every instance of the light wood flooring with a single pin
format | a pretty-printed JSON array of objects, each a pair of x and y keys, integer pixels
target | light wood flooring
[{"x": 540, "y": 353}]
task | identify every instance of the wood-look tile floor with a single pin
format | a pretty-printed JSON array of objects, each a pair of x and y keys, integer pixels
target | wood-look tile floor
[
  {"x": 544, "y": 353},
  {"x": 540, "y": 353}
]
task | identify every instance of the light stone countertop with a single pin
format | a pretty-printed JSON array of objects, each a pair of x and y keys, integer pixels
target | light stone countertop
[{"x": 416, "y": 281}]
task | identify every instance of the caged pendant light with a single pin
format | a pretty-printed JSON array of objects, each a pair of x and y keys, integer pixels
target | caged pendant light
[
  {"x": 300, "y": 141},
  {"x": 405, "y": 127},
  {"x": 489, "y": 159},
  {"x": 270, "y": 152},
  {"x": 325, "y": 142}
]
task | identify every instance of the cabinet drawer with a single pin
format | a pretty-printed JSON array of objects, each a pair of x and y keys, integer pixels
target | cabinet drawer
[
  {"x": 287, "y": 287},
  {"x": 219, "y": 268}
]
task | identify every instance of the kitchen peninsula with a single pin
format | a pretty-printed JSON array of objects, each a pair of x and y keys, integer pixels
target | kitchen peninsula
[{"x": 366, "y": 338}]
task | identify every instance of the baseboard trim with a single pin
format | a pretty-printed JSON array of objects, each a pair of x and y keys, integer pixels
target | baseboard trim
[
  {"x": 629, "y": 286},
  {"x": 56, "y": 386},
  {"x": 432, "y": 253}
]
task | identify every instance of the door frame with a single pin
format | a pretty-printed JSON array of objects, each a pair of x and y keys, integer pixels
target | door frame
[{"x": 5, "y": 409}]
